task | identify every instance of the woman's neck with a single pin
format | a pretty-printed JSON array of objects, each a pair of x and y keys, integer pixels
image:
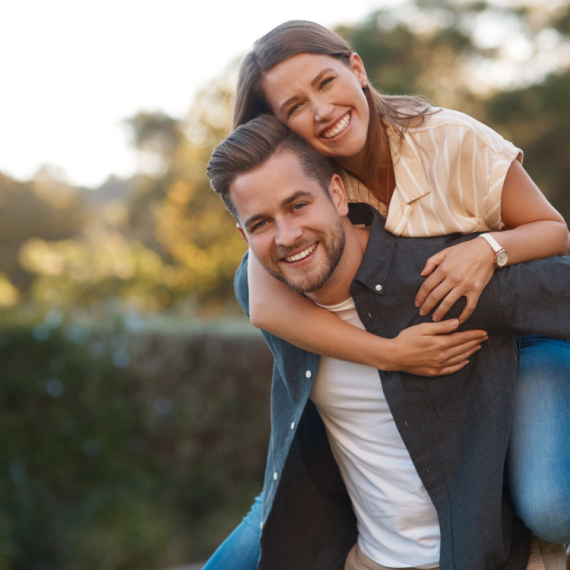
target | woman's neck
[{"x": 375, "y": 171}]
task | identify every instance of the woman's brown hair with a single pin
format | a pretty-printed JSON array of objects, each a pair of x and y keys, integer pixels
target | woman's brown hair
[{"x": 298, "y": 36}]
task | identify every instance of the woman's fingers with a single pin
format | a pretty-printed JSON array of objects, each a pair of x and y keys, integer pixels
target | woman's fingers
[
  {"x": 432, "y": 263},
  {"x": 457, "y": 354},
  {"x": 442, "y": 329},
  {"x": 427, "y": 288}
]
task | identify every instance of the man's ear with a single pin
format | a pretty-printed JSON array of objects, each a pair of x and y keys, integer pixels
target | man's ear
[
  {"x": 357, "y": 67},
  {"x": 338, "y": 194},
  {"x": 242, "y": 233}
]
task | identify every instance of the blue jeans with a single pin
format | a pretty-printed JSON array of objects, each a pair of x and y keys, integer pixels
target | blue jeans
[
  {"x": 240, "y": 551},
  {"x": 538, "y": 457},
  {"x": 539, "y": 448}
]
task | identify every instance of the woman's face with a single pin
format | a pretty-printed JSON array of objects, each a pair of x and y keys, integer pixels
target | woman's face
[{"x": 321, "y": 98}]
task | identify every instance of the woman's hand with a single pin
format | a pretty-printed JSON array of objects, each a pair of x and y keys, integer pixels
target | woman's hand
[
  {"x": 462, "y": 270},
  {"x": 429, "y": 350}
]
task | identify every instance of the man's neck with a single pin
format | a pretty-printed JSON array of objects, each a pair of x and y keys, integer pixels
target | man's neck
[{"x": 337, "y": 288}]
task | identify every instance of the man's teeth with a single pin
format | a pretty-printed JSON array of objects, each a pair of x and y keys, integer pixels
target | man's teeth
[
  {"x": 301, "y": 255},
  {"x": 338, "y": 128}
]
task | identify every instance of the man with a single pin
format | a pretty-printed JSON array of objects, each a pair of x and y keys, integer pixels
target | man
[{"x": 414, "y": 468}]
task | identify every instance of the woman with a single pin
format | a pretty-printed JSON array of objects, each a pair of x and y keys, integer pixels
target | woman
[{"x": 396, "y": 152}]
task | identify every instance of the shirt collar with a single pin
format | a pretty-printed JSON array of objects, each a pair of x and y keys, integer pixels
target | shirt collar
[
  {"x": 411, "y": 179},
  {"x": 375, "y": 265}
]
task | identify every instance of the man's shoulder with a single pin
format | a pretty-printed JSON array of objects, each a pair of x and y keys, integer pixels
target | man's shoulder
[{"x": 241, "y": 287}]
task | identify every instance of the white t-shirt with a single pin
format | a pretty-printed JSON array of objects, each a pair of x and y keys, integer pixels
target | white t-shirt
[{"x": 397, "y": 522}]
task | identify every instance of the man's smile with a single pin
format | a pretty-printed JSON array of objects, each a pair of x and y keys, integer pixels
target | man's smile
[{"x": 301, "y": 255}]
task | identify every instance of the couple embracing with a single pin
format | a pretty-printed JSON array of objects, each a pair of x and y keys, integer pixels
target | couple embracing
[{"x": 368, "y": 218}]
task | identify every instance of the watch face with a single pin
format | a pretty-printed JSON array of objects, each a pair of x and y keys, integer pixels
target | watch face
[{"x": 502, "y": 258}]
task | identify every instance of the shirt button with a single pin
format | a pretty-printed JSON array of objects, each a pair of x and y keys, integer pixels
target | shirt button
[
  {"x": 261, "y": 525},
  {"x": 275, "y": 476},
  {"x": 369, "y": 315},
  {"x": 378, "y": 287},
  {"x": 292, "y": 425},
  {"x": 308, "y": 374}
]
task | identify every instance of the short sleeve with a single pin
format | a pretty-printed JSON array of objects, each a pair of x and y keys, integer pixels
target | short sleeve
[
  {"x": 500, "y": 155},
  {"x": 450, "y": 173}
]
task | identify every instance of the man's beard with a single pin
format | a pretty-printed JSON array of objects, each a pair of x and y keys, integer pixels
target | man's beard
[{"x": 333, "y": 250}]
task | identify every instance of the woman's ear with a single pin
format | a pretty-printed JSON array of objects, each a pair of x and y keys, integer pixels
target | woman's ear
[{"x": 357, "y": 67}]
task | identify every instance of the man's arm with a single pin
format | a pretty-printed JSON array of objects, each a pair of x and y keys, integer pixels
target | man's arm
[
  {"x": 240, "y": 284},
  {"x": 534, "y": 297}
]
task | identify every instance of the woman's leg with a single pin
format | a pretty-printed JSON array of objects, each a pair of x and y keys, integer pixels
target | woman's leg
[
  {"x": 539, "y": 448},
  {"x": 240, "y": 551}
]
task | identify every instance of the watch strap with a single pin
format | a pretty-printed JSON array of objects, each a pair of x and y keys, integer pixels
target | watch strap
[{"x": 494, "y": 245}]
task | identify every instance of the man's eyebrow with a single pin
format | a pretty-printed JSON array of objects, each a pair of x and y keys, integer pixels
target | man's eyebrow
[
  {"x": 316, "y": 80},
  {"x": 295, "y": 196},
  {"x": 284, "y": 203},
  {"x": 252, "y": 220}
]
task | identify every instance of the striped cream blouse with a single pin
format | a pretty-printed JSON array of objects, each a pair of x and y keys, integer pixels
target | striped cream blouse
[{"x": 449, "y": 177}]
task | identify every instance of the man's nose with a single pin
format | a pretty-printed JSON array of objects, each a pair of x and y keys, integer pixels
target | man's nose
[{"x": 287, "y": 234}]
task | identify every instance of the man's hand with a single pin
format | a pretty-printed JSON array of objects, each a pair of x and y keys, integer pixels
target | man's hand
[
  {"x": 462, "y": 270},
  {"x": 429, "y": 350}
]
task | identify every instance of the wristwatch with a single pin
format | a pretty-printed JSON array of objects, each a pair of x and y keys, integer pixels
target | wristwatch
[{"x": 501, "y": 254}]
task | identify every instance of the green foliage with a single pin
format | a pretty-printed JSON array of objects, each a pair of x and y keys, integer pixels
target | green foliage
[
  {"x": 118, "y": 450},
  {"x": 538, "y": 118}
]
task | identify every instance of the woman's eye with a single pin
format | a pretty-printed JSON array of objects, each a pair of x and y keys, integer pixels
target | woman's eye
[
  {"x": 326, "y": 81},
  {"x": 293, "y": 109}
]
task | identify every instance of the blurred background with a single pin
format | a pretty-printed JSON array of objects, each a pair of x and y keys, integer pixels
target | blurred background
[{"x": 134, "y": 396}]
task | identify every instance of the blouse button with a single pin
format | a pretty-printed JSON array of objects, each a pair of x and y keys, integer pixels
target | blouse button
[{"x": 308, "y": 374}]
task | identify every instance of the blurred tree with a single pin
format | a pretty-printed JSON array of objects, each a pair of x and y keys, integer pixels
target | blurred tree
[
  {"x": 163, "y": 237},
  {"x": 195, "y": 231},
  {"x": 45, "y": 207}
]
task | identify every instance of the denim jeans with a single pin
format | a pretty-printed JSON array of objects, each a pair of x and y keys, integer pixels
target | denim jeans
[
  {"x": 538, "y": 456},
  {"x": 539, "y": 447},
  {"x": 240, "y": 551}
]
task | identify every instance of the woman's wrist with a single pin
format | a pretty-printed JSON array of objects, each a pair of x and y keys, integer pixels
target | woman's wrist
[{"x": 387, "y": 355}]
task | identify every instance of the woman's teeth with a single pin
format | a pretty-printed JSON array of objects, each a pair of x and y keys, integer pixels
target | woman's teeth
[
  {"x": 338, "y": 128},
  {"x": 301, "y": 255}
]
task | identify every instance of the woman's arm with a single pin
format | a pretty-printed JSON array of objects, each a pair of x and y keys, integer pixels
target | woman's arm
[
  {"x": 423, "y": 349},
  {"x": 533, "y": 230}
]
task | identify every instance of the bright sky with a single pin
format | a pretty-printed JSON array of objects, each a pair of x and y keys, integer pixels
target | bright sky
[{"x": 71, "y": 71}]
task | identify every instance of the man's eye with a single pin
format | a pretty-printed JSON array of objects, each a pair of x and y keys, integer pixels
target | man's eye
[
  {"x": 299, "y": 205},
  {"x": 257, "y": 226}
]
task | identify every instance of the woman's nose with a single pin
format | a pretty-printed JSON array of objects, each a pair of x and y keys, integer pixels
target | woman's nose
[{"x": 323, "y": 111}]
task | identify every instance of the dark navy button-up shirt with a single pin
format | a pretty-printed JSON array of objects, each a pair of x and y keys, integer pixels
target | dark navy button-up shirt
[{"x": 455, "y": 427}]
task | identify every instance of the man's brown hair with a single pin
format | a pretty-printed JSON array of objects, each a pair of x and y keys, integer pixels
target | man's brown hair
[{"x": 253, "y": 144}]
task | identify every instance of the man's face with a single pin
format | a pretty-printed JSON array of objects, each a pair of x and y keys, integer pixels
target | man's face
[{"x": 292, "y": 226}]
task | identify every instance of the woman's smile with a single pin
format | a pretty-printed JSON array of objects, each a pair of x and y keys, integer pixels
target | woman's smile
[{"x": 338, "y": 128}]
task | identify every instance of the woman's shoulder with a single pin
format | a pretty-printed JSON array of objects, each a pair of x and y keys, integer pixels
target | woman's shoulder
[{"x": 443, "y": 123}]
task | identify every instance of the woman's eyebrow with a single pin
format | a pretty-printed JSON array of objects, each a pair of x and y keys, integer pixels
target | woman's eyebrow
[
  {"x": 314, "y": 82},
  {"x": 319, "y": 76}
]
